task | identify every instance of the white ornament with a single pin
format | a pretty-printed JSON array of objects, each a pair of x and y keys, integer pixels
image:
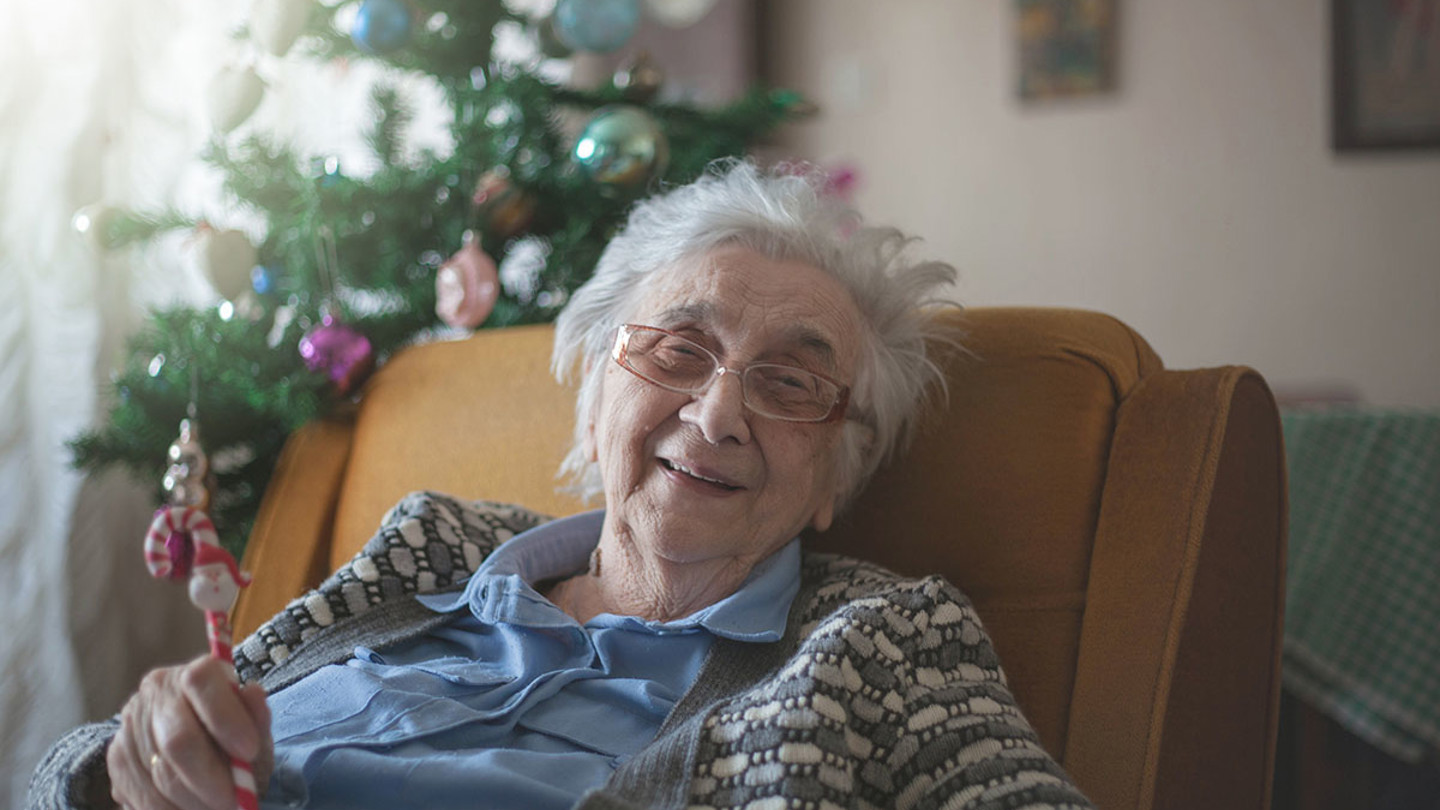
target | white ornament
[
  {"x": 234, "y": 95},
  {"x": 227, "y": 258},
  {"x": 678, "y": 13},
  {"x": 276, "y": 24}
]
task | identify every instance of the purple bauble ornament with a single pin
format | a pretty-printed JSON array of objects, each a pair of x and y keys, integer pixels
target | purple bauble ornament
[{"x": 338, "y": 350}]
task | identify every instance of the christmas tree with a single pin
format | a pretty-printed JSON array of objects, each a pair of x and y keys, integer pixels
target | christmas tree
[{"x": 351, "y": 269}]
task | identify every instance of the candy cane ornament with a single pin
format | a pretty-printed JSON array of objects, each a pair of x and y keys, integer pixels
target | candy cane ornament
[
  {"x": 174, "y": 534},
  {"x": 182, "y": 543}
]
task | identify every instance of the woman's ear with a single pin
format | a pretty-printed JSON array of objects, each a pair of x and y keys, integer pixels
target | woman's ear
[
  {"x": 824, "y": 515},
  {"x": 856, "y": 439}
]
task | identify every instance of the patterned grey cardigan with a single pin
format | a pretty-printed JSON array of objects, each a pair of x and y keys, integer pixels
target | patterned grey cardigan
[{"x": 884, "y": 692}]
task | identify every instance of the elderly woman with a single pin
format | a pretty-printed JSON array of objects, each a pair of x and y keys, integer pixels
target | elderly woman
[{"x": 749, "y": 354}]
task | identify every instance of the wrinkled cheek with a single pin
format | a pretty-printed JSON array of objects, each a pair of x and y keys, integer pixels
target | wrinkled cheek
[
  {"x": 619, "y": 460},
  {"x": 823, "y": 460}
]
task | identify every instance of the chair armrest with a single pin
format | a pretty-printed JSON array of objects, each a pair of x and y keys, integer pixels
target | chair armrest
[{"x": 1189, "y": 556}]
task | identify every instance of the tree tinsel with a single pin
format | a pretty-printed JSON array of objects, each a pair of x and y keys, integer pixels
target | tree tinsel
[{"x": 391, "y": 230}]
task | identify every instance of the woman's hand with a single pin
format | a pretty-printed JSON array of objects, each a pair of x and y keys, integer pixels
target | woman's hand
[{"x": 177, "y": 734}]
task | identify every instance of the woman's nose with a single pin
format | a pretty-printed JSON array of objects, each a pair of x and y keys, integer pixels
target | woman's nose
[{"x": 719, "y": 411}]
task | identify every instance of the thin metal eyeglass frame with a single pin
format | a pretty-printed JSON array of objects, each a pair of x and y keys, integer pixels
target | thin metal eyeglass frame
[{"x": 622, "y": 347}]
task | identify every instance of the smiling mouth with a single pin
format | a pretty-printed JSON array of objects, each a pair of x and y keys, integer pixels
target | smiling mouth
[{"x": 686, "y": 471}]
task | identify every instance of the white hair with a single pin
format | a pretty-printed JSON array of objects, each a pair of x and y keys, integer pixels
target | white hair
[{"x": 784, "y": 216}]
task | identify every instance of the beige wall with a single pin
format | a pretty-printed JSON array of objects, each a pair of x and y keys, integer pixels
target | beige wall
[{"x": 1201, "y": 202}]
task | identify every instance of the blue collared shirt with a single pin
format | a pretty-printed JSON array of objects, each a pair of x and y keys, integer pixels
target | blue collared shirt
[{"x": 512, "y": 703}]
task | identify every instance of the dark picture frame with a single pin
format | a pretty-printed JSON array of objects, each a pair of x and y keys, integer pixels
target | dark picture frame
[
  {"x": 1065, "y": 48},
  {"x": 1385, "y": 74}
]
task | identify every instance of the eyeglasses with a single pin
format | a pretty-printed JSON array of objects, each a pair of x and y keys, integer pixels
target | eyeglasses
[{"x": 790, "y": 394}]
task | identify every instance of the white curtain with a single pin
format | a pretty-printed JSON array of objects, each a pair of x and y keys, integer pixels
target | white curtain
[{"x": 100, "y": 102}]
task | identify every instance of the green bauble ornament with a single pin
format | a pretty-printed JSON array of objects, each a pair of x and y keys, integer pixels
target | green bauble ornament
[{"x": 622, "y": 147}]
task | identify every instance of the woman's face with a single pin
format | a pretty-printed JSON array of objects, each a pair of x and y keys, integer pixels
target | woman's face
[{"x": 696, "y": 478}]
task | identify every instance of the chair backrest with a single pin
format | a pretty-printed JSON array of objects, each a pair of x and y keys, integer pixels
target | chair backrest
[{"x": 1119, "y": 526}]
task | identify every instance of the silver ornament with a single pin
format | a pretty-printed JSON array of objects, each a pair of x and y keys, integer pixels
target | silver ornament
[{"x": 185, "y": 481}]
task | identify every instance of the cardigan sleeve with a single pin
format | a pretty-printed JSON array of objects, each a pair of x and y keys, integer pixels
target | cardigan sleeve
[
  {"x": 427, "y": 542},
  {"x": 72, "y": 775}
]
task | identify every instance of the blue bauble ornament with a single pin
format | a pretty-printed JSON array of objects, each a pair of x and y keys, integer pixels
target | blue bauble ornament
[
  {"x": 622, "y": 148},
  {"x": 381, "y": 26},
  {"x": 596, "y": 25},
  {"x": 261, "y": 280}
]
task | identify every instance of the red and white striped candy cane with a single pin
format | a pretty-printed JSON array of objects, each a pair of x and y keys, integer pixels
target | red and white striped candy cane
[
  {"x": 188, "y": 526},
  {"x": 217, "y": 628},
  {"x": 182, "y": 541}
]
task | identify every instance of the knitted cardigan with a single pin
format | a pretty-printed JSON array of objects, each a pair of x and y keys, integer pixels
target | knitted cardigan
[{"x": 884, "y": 691}]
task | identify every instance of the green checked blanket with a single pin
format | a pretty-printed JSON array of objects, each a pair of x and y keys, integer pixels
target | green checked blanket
[{"x": 1362, "y": 609}]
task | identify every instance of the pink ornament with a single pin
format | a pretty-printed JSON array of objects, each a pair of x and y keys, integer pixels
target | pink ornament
[
  {"x": 466, "y": 286},
  {"x": 840, "y": 181},
  {"x": 338, "y": 350}
]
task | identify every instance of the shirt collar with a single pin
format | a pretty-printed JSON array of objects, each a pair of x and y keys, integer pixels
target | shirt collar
[{"x": 756, "y": 611}]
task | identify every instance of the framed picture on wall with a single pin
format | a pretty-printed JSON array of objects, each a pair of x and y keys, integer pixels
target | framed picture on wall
[
  {"x": 1386, "y": 74},
  {"x": 1066, "y": 47}
]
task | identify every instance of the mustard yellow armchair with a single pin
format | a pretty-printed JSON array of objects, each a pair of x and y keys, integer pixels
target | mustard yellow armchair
[{"x": 1119, "y": 526}]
